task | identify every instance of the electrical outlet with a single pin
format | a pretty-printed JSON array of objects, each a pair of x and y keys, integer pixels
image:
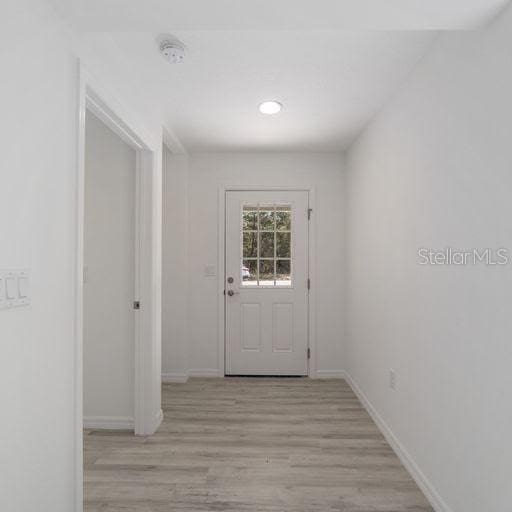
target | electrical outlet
[{"x": 392, "y": 379}]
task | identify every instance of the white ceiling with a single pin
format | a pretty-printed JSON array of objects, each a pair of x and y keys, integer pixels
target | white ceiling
[
  {"x": 330, "y": 81},
  {"x": 330, "y": 84}
]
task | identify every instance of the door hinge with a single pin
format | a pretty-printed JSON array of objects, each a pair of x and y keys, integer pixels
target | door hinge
[
  {"x": 136, "y": 304},
  {"x": 310, "y": 211},
  {"x": 309, "y": 353},
  {"x": 309, "y": 284}
]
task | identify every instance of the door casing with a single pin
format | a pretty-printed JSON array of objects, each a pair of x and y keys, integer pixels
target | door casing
[{"x": 222, "y": 272}]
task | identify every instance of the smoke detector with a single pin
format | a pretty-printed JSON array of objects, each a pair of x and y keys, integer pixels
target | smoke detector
[{"x": 172, "y": 50}]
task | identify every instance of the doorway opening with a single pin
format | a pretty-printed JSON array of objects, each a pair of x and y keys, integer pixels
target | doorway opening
[
  {"x": 127, "y": 242},
  {"x": 110, "y": 278}
]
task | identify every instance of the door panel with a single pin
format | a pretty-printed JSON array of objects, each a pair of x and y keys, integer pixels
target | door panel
[
  {"x": 251, "y": 332},
  {"x": 266, "y": 282},
  {"x": 282, "y": 325}
]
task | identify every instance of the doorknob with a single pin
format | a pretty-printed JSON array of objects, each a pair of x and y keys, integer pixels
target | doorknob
[
  {"x": 230, "y": 280},
  {"x": 231, "y": 293}
]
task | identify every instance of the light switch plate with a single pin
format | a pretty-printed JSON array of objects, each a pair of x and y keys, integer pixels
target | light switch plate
[
  {"x": 210, "y": 271},
  {"x": 11, "y": 292},
  {"x": 22, "y": 287},
  {"x": 14, "y": 288}
]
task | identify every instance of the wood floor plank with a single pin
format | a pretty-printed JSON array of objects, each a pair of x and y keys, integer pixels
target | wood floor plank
[{"x": 251, "y": 445}]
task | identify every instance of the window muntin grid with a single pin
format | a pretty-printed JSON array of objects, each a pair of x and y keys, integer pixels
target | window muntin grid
[{"x": 266, "y": 239}]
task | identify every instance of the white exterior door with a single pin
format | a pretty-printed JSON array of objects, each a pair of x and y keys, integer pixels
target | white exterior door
[{"x": 266, "y": 282}]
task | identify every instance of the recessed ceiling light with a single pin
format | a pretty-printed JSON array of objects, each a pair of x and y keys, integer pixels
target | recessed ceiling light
[{"x": 270, "y": 107}]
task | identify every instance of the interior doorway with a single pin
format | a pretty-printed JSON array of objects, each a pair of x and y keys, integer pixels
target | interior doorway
[
  {"x": 143, "y": 152},
  {"x": 266, "y": 282},
  {"x": 110, "y": 291}
]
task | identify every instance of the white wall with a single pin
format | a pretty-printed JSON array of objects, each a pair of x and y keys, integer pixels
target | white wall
[
  {"x": 38, "y": 161},
  {"x": 37, "y": 214},
  {"x": 109, "y": 287},
  {"x": 434, "y": 170},
  {"x": 175, "y": 267},
  {"x": 207, "y": 173}
]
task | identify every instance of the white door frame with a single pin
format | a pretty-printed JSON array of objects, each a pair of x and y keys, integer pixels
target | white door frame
[
  {"x": 222, "y": 272},
  {"x": 147, "y": 410}
]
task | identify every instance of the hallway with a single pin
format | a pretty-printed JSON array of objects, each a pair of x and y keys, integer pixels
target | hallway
[{"x": 251, "y": 444}]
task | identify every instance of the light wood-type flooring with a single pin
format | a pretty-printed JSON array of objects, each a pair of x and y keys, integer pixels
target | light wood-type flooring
[{"x": 251, "y": 445}]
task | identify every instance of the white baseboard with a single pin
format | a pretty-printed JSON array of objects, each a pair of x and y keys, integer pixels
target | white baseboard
[
  {"x": 175, "y": 377},
  {"x": 109, "y": 422},
  {"x": 205, "y": 373},
  {"x": 181, "y": 377},
  {"x": 330, "y": 374},
  {"x": 438, "y": 504}
]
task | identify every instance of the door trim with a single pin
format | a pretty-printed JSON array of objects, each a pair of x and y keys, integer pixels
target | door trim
[
  {"x": 221, "y": 335},
  {"x": 148, "y": 414}
]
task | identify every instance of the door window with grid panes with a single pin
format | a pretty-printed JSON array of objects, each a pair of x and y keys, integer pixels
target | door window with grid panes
[{"x": 266, "y": 245}]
